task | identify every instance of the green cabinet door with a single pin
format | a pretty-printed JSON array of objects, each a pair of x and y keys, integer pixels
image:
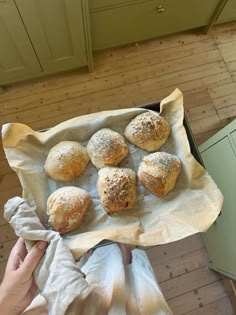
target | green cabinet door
[
  {"x": 228, "y": 13},
  {"x": 17, "y": 57},
  {"x": 56, "y": 30},
  {"x": 219, "y": 156}
]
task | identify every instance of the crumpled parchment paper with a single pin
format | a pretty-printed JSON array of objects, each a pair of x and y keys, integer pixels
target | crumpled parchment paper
[{"x": 191, "y": 207}]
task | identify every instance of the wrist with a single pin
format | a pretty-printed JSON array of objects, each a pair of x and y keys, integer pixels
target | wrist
[{"x": 6, "y": 305}]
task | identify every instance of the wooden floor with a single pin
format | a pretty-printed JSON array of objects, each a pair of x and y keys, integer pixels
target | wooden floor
[{"x": 204, "y": 68}]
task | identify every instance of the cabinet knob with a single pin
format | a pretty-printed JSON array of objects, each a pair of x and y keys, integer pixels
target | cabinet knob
[{"x": 160, "y": 9}]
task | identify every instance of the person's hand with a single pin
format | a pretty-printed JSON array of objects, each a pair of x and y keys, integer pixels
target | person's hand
[{"x": 18, "y": 287}]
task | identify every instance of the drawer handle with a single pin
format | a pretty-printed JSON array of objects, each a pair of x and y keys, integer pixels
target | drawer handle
[{"x": 160, "y": 9}]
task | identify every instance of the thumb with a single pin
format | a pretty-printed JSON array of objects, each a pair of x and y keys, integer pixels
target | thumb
[{"x": 33, "y": 257}]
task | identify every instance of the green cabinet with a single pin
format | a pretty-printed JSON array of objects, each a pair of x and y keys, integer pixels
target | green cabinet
[
  {"x": 40, "y": 37},
  {"x": 219, "y": 156},
  {"x": 17, "y": 57},
  {"x": 228, "y": 13},
  {"x": 133, "y": 21},
  {"x": 56, "y": 31}
]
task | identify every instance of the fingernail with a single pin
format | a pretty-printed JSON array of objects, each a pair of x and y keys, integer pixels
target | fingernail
[{"x": 42, "y": 245}]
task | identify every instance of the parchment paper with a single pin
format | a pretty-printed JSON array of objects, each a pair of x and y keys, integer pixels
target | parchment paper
[{"x": 191, "y": 207}]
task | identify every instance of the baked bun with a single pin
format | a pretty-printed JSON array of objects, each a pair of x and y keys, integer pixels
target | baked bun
[
  {"x": 117, "y": 188},
  {"x": 66, "y": 208},
  {"x": 159, "y": 171},
  {"x": 107, "y": 148},
  {"x": 66, "y": 161},
  {"x": 148, "y": 131}
]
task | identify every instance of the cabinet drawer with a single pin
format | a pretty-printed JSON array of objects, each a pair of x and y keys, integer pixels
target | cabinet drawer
[
  {"x": 141, "y": 20},
  {"x": 101, "y": 4}
]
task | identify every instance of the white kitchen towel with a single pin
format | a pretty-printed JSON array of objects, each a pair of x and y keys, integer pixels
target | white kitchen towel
[
  {"x": 121, "y": 289},
  {"x": 110, "y": 287},
  {"x": 58, "y": 277}
]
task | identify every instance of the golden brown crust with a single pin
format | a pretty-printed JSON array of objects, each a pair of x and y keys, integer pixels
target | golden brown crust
[
  {"x": 66, "y": 161},
  {"x": 148, "y": 131},
  {"x": 107, "y": 148},
  {"x": 66, "y": 207},
  {"x": 159, "y": 171},
  {"x": 117, "y": 188}
]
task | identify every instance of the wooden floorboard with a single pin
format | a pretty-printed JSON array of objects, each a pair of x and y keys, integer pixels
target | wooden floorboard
[
  {"x": 204, "y": 68},
  {"x": 198, "y": 298}
]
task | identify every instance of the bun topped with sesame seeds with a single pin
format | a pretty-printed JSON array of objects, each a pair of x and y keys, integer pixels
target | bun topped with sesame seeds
[
  {"x": 117, "y": 188},
  {"x": 148, "y": 131},
  {"x": 66, "y": 161},
  {"x": 66, "y": 207},
  {"x": 159, "y": 171},
  {"x": 107, "y": 148}
]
